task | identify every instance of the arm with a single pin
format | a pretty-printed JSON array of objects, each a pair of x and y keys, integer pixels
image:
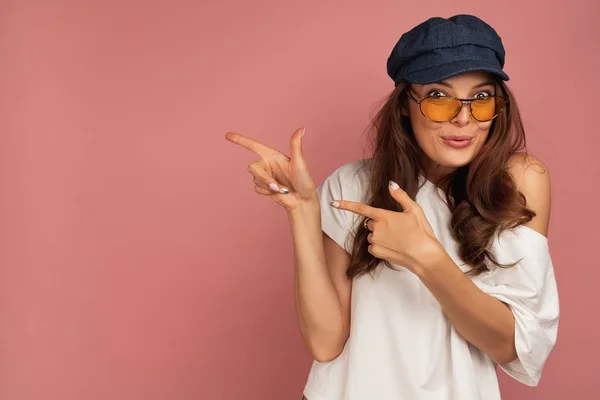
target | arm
[
  {"x": 321, "y": 288},
  {"x": 483, "y": 320}
]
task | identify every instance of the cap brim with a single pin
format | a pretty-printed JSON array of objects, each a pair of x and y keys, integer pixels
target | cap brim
[{"x": 445, "y": 71}]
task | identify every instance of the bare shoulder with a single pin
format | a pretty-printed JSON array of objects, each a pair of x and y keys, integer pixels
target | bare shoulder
[{"x": 533, "y": 180}]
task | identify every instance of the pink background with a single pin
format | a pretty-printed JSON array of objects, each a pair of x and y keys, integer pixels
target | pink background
[{"x": 136, "y": 262}]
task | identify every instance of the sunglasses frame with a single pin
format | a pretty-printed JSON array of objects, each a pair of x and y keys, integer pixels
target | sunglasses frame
[{"x": 463, "y": 101}]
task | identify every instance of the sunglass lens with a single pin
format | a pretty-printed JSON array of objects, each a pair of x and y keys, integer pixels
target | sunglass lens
[
  {"x": 440, "y": 109},
  {"x": 488, "y": 108}
]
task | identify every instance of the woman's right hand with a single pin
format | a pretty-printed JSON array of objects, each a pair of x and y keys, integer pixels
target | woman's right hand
[{"x": 284, "y": 179}]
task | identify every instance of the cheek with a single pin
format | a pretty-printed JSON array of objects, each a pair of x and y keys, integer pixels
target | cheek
[
  {"x": 483, "y": 130},
  {"x": 425, "y": 130}
]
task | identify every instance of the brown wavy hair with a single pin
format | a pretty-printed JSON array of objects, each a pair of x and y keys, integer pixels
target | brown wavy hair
[{"x": 481, "y": 195}]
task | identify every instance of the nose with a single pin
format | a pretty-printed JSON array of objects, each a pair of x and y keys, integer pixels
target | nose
[{"x": 464, "y": 115}]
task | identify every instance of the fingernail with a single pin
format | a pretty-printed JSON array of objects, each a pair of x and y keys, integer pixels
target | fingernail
[
  {"x": 334, "y": 204},
  {"x": 303, "y": 131},
  {"x": 394, "y": 185},
  {"x": 274, "y": 187},
  {"x": 284, "y": 191}
]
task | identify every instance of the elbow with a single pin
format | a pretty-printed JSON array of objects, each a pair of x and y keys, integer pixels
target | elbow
[
  {"x": 504, "y": 354},
  {"x": 326, "y": 355},
  {"x": 504, "y": 358},
  {"x": 325, "y": 352}
]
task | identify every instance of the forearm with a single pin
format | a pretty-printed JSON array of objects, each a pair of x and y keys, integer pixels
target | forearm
[
  {"x": 481, "y": 319},
  {"x": 318, "y": 306}
]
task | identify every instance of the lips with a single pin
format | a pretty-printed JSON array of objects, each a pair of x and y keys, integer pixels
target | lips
[
  {"x": 457, "y": 142},
  {"x": 459, "y": 138}
]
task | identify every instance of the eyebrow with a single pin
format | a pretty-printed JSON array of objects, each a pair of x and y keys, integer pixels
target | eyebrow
[
  {"x": 482, "y": 84},
  {"x": 486, "y": 83}
]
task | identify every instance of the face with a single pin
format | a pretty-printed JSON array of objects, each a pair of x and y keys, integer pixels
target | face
[{"x": 442, "y": 154}]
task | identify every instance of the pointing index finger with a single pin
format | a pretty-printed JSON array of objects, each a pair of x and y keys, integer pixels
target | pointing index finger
[
  {"x": 250, "y": 144},
  {"x": 358, "y": 208}
]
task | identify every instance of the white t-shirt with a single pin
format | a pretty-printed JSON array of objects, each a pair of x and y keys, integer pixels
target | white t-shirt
[{"x": 401, "y": 345}]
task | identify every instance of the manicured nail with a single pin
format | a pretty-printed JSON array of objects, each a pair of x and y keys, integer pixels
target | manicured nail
[
  {"x": 334, "y": 204},
  {"x": 283, "y": 191},
  {"x": 274, "y": 187},
  {"x": 394, "y": 185}
]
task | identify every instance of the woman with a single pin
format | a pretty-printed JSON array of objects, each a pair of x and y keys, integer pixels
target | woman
[{"x": 433, "y": 265}]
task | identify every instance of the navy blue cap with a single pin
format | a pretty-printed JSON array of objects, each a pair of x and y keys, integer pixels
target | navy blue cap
[{"x": 440, "y": 48}]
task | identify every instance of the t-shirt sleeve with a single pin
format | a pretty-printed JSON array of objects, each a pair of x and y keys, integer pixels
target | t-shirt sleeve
[
  {"x": 345, "y": 183},
  {"x": 529, "y": 289}
]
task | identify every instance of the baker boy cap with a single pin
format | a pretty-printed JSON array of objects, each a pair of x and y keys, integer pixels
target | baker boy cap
[{"x": 440, "y": 48}]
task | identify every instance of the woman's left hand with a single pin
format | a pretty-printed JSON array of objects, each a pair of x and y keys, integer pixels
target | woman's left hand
[{"x": 403, "y": 238}]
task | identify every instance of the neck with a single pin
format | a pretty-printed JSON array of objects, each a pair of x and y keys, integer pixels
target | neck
[{"x": 433, "y": 171}]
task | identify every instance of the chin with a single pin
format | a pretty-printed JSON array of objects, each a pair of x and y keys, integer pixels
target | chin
[
  {"x": 457, "y": 162},
  {"x": 452, "y": 161}
]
